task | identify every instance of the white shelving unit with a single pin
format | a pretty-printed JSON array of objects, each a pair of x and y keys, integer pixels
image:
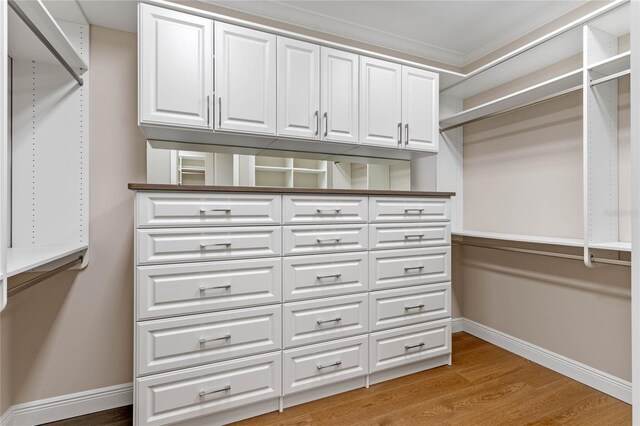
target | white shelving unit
[{"x": 532, "y": 239}]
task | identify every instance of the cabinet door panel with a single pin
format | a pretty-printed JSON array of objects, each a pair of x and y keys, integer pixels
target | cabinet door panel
[
  {"x": 380, "y": 102},
  {"x": 245, "y": 79},
  {"x": 298, "y": 88},
  {"x": 176, "y": 67},
  {"x": 339, "y": 95},
  {"x": 420, "y": 108}
]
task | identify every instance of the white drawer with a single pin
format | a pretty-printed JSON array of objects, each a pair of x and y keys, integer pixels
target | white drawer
[
  {"x": 313, "y": 321},
  {"x": 197, "y": 339},
  {"x": 318, "y": 365},
  {"x": 166, "y": 290},
  {"x": 185, "y": 394},
  {"x": 409, "y": 235},
  {"x": 410, "y": 209},
  {"x": 309, "y": 239},
  {"x": 192, "y": 244},
  {"x": 299, "y": 209},
  {"x": 400, "y": 268},
  {"x": 202, "y": 209},
  {"x": 399, "y": 346},
  {"x": 308, "y": 277},
  {"x": 406, "y": 306}
]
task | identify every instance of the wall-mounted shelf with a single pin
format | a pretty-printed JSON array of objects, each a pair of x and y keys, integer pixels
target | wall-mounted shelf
[
  {"x": 610, "y": 68},
  {"x": 25, "y": 259},
  {"x": 519, "y": 238},
  {"x": 614, "y": 245}
]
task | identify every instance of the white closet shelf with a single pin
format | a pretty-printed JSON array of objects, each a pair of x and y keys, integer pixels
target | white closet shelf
[
  {"x": 308, "y": 171},
  {"x": 23, "y": 259},
  {"x": 612, "y": 65},
  {"x": 278, "y": 169},
  {"x": 614, "y": 245},
  {"x": 534, "y": 239}
]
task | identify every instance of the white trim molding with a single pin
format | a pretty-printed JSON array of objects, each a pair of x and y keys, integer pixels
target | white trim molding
[{"x": 66, "y": 406}]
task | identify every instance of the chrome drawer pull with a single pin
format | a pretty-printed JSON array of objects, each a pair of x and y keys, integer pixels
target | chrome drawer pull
[
  {"x": 408, "y": 308},
  {"x": 320, "y": 322},
  {"x": 336, "y": 211},
  {"x": 413, "y": 268},
  {"x": 227, "y": 211},
  {"x": 224, "y": 389},
  {"x": 214, "y": 245},
  {"x": 407, "y": 236},
  {"x": 336, "y": 276},
  {"x": 335, "y": 364},
  {"x": 218, "y": 287},
  {"x": 414, "y": 210},
  {"x": 214, "y": 339},
  {"x": 328, "y": 240},
  {"x": 419, "y": 345}
]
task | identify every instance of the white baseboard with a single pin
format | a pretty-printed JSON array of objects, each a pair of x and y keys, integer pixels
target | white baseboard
[
  {"x": 65, "y": 406},
  {"x": 604, "y": 382},
  {"x": 457, "y": 325}
]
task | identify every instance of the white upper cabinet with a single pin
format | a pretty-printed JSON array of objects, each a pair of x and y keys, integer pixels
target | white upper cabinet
[
  {"x": 420, "y": 109},
  {"x": 298, "y": 88},
  {"x": 380, "y": 102},
  {"x": 339, "y": 100},
  {"x": 176, "y": 68},
  {"x": 245, "y": 80}
]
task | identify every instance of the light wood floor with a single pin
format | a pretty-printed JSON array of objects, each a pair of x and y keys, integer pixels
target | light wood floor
[{"x": 485, "y": 385}]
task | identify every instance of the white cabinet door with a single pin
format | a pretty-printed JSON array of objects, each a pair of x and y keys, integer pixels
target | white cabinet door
[
  {"x": 245, "y": 79},
  {"x": 380, "y": 102},
  {"x": 176, "y": 68},
  {"x": 339, "y": 82},
  {"x": 298, "y": 88},
  {"x": 420, "y": 109}
]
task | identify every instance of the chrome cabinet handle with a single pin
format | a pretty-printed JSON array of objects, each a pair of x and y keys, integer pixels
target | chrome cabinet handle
[
  {"x": 408, "y": 308},
  {"x": 414, "y": 210},
  {"x": 326, "y": 124},
  {"x": 331, "y": 320},
  {"x": 328, "y": 240},
  {"x": 218, "y": 287},
  {"x": 406, "y": 134},
  {"x": 407, "y": 236},
  {"x": 227, "y": 211},
  {"x": 220, "y": 111},
  {"x": 336, "y": 211},
  {"x": 321, "y": 277},
  {"x": 399, "y": 133},
  {"x": 335, "y": 364},
  {"x": 419, "y": 345},
  {"x": 413, "y": 268},
  {"x": 224, "y": 389},
  {"x": 208, "y": 110},
  {"x": 316, "y": 119},
  {"x": 214, "y": 245},
  {"x": 214, "y": 339}
]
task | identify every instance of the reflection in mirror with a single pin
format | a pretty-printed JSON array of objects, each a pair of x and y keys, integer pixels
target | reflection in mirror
[{"x": 193, "y": 164}]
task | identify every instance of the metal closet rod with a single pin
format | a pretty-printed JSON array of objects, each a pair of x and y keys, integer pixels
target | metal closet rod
[
  {"x": 545, "y": 253},
  {"x": 610, "y": 77},
  {"x": 44, "y": 41},
  {"x": 33, "y": 281}
]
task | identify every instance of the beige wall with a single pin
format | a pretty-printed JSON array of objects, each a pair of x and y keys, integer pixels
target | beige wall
[{"x": 74, "y": 332}]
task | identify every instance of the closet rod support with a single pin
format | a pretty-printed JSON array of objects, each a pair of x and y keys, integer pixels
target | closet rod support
[
  {"x": 45, "y": 42},
  {"x": 33, "y": 281},
  {"x": 610, "y": 77}
]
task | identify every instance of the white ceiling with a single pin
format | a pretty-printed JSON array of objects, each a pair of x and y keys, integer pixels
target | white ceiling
[{"x": 456, "y": 32}]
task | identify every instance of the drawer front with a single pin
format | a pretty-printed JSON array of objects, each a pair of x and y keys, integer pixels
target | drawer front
[
  {"x": 399, "y": 346},
  {"x": 300, "y": 209},
  {"x": 318, "y": 365},
  {"x": 410, "y": 235},
  {"x": 406, "y": 306},
  {"x": 314, "y": 321},
  {"x": 196, "y": 244},
  {"x": 193, "y": 209},
  {"x": 411, "y": 209},
  {"x": 308, "y": 239},
  {"x": 187, "y": 341},
  {"x": 399, "y": 268},
  {"x": 308, "y": 277},
  {"x": 194, "y": 392},
  {"x": 166, "y": 290}
]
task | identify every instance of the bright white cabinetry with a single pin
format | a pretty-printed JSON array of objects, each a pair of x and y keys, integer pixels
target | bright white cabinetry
[
  {"x": 298, "y": 88},
  {"x": 245, "y": 79},
  {"x": 339, "y": 95},
  {"x": 380, "y": 102},
  {"x": 420, "y": 109},
  {"x": 176, "y": 68}
]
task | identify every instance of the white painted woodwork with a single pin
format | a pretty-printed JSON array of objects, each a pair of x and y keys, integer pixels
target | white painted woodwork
[
  {"x": 399, "y": 346},
  {"x": 173, "y": 245},
  {"x": 188, "y": 341},
  {"x": 309, "y": 239},
  {"x": 310, "y": 277},
  {"x": 167, "y": 290},
  {"x": 298, "y": 96},
  {"x": 245, "y": 79},
  {"x": 339, "y": 95},
  {"x": 380, "y": 102},
  {"x": 405, "y": 306},
  {"x": 315, "y": 321},
  {"x": 172, "y": 397},
  {"x": 408, "y": 235},
  {"x": 176, "y": 68},
  {"x": 301, "y": 209},
  {"x": 160, "y": 209},
  {"x": 420, "y": 109},
  {"x": 393, "y": 209},
  {"x": 401, "y": 268},
  {"x": 301, "y": 365}
]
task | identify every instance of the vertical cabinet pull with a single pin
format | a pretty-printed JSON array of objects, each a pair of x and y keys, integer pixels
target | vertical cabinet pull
[
  {"x": 208, "y": 110},
  {"x": 406, "y": 134},
  {"x": 316, "y": 119},
  {"x": 220, "y": 111},
  {"x": 326, "y": 124},
  {"x": 399, "y": 133}
]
